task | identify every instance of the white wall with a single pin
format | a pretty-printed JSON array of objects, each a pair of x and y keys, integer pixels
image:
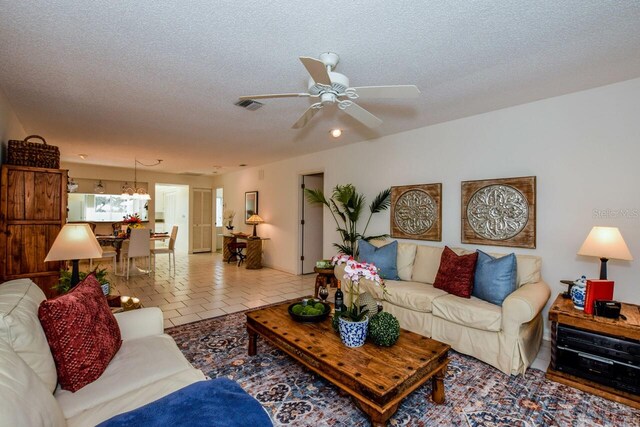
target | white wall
[
  {"x": 584, "y": 149},
  {"x": 10, "y": 126}
]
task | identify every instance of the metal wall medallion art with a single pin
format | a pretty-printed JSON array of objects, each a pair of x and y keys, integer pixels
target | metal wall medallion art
[
  {"x": 416, "y": 212},
  {"x": 500, "y": 212}
]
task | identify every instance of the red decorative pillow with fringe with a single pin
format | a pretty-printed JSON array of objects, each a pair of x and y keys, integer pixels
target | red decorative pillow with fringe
[
  {"x": 456, "y": 273},
  {"x": 82, "y": 333}
]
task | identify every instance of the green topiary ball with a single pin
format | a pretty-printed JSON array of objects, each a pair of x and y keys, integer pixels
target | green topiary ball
[{"x": 384, "y": 329}]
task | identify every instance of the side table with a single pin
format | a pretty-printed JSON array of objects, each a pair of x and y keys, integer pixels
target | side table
[
  {"x": 325, "y": 277},
  {"x": 562, "y": 313}
]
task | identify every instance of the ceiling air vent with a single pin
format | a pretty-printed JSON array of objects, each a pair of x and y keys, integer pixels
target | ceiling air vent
[{"x": 249, "y": 104}]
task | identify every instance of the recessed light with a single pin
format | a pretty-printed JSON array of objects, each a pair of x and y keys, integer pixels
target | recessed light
[
  {"x": 83, "y": 156},
  {"x": 335, "y": 133}
]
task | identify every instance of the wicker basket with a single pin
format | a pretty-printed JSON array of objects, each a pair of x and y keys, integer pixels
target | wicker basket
[{"x": 25, "y": 153}]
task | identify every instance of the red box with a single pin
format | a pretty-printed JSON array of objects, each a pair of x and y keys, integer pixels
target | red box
[{"x": 597, "y": 289}]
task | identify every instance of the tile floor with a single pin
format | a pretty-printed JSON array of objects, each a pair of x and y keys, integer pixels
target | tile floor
[{"x": 204, "y": 286}]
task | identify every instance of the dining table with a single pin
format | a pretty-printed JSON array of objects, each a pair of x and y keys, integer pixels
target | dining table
[{"x": 116, "y": 242}]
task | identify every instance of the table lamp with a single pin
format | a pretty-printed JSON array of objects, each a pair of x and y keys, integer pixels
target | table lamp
[
  {"x": 74, "y": 242},
  {"x": 255, "y": 220},
  {"x": 605, "y": 243}
]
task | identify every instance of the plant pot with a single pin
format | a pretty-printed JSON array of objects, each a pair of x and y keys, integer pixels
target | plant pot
[
  {"x": 106, "y": 288},
  {"x": 353, "y": 334}
]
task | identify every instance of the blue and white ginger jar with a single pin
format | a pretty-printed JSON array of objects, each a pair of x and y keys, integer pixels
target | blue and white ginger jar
[
  {"x": 578, "y": 294},
  {"x": 353, "y": 334}
]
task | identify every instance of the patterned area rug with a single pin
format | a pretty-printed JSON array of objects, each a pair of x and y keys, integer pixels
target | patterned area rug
[{"x": 476, "y": 393}]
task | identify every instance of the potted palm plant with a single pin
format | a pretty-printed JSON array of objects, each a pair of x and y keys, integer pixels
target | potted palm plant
[
  {"x": 64, "y": 283},
  {"x": 346, "y": 206}
]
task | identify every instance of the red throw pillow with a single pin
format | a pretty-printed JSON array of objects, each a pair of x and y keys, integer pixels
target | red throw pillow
[
  {"x": 456, "y": 272},
  {"x": 82, "y": 333}
]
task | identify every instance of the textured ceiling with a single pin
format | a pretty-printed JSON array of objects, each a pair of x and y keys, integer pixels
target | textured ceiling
[{"x": 158, "y": 79}]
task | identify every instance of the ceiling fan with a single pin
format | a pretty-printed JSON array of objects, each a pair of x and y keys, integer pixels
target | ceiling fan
[{"x": 333, "y": 88}]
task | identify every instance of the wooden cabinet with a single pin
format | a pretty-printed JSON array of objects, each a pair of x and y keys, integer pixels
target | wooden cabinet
[
  {"x": 626, "y": 333},
  {"x": 33, "y": 209}
]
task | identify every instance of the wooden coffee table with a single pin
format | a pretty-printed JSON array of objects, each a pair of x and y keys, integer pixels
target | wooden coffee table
[{"x": 377, "y": 378}]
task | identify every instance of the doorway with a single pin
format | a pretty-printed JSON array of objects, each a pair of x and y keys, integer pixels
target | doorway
[
  {"x": 172, "y": 208},
  {"x": 311, "y": 228}
]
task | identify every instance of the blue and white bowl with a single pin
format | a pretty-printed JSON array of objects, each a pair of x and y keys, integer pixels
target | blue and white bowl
[
  {"x": 578, "y": 294},
  {"x": 353, "y": 334}
]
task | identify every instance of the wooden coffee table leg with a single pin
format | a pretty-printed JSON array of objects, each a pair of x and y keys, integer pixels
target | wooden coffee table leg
[
  {"x": 253, "y": 341},
  {"x": 437, "y": 388},
  {"x": 378, "y": 419}
]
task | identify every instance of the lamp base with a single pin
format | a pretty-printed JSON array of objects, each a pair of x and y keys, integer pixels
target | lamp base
[
  {"x": 603, "y": 268},
  {"x": 254, "y": 231},
  {"x": 75, "y": 273}
]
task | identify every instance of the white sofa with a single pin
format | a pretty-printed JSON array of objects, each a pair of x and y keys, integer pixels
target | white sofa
[
  {"x": 147, "y": 367},
  {"x": 506, "y": 337}
]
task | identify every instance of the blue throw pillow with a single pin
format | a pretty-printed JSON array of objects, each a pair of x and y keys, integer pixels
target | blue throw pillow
[
  {"x": 385, "y": 258},
  {"x": 495, "y": 278}
]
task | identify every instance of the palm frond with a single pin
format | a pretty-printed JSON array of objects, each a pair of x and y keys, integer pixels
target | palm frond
[
  {"x": 381, "y": 202},
  {"x": 315, "y": 197}
]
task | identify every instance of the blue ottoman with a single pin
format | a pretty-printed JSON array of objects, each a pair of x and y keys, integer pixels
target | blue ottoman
[{"x": 214, "y": 403}]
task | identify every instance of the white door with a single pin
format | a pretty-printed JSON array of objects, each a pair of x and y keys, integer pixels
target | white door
[
  {"x": 311, "y": 225},
  {"x": 202, "y": 220}
]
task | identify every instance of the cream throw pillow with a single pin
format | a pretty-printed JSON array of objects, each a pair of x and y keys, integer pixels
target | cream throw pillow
[
  {"x": 426, "y": 264},
  {"x": 406, "y": 257}
]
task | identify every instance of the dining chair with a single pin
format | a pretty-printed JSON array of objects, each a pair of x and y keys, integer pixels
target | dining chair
[
  {"x": 106, "y": 253},
  {"x": 138, "y": 248},
  {"x": 170, "y": 250}
]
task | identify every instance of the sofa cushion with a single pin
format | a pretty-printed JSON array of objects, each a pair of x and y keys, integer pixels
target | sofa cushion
[
  {"x": 406, "y": 257},
  {"x": 456, "y": 272},
  {"x": 82, "y": 333},
  {"x": 412, "y": 295},
  {"x": 141, "y": 361},
  {"x": 495, "y": 278},
  {"x": 25, "y": 400},
  {"x": 384, "y": 257},
  {"x": 528, "y": 269},
  {"x": 473, "y": 312},
  {"x": 20, "y": 328},
  {"x": 427, "y": 261}
]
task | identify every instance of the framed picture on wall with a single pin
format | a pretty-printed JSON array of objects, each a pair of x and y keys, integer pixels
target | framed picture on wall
[
  {"x": 500, "y": 212},
  {"x": 250, "y": 204},
  {"x": 416, "y": 212}
]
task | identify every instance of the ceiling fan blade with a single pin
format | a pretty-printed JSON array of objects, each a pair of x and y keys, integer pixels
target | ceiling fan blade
[
  {"x": 317, "y": 69},
  {"x": 304, "y": 118},
  {"x": 362, "y": 115},
  {"x": 276, "y": 95},
  {"x": 398, "y": 91}
]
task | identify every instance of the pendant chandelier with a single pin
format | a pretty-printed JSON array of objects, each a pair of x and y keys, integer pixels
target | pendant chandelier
[{"x": 136, "y": 192}]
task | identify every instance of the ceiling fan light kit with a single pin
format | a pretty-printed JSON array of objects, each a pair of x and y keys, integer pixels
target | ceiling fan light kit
[
  {"x": 335, "y": 133},
  {"x": 333, "y": 88}
]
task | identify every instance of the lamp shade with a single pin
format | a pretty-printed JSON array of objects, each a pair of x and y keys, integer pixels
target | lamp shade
[
  {"x": 605, "y": 242},
  {"x": 74, "y": 241},
  {"x": 255, "y": 219}
]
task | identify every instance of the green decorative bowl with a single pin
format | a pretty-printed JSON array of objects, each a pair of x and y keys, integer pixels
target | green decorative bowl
[{"x": 310, "y": 318}]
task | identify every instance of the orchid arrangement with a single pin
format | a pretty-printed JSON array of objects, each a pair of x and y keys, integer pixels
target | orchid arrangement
[
  {"x": 227, "y": 218},
  {"x": 355, "y": 271}
]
